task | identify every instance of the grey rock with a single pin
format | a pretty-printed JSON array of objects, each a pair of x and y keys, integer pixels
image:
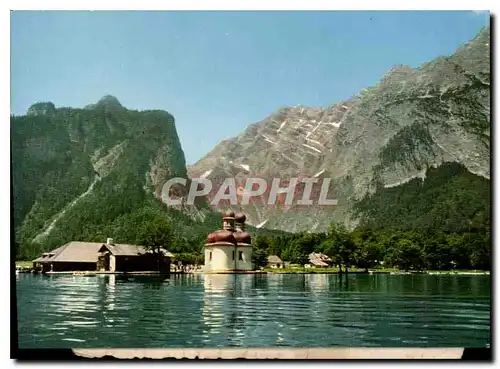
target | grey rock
[{"x": 411, "y": 120}]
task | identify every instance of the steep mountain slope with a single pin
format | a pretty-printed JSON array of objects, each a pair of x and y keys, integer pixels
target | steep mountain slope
[
  {"x": 385, "y": 136},
  {"x": 75, "y": 170},
  {"x": 450, "y": 199}
]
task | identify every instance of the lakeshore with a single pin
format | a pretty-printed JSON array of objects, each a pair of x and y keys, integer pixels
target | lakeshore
[
  {"x": 371, "y": 271},
  {"x": 25, "y": 267}
]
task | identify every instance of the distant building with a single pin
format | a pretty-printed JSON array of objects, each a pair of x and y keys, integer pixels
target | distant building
[
  {"x": 274, "y": 261},
  {"x": 229, "y": 250},
  {"x": 318, "y": 260},
  {"x": 95, "y": 256}
]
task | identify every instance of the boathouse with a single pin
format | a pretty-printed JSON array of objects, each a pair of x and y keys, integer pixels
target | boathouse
[
  {"x": 104, "y": 257},
  {"x": 229, "y": 250}
]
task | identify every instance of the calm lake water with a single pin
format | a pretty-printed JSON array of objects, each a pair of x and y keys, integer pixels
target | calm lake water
[{"x": 253, "y": 311}]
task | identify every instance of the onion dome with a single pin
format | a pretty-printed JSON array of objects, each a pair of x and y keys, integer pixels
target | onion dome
[
  {"x": 242, "y": 237},
  {"x": 228, "y": 214},
  {"x": 221, "y": 236},
  {"x": 240, "y": 217}
]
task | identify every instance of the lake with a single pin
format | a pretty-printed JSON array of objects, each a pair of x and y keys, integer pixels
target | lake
[{"x": 308, "y": 310}]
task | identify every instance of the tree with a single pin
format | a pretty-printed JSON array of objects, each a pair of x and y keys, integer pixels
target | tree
[
  {"x": 300, "y": 247},
  {"x": 261, "y": 242},
  {"x": 260, "y": 251},
  {"x": 155, "y": 235},
  {"x": 342, "y": 247},
  {"x": 305, "y": 243},
  {"x": 200, "y": 259},
  {"x": 301, "y": 258},
  {"x": 296, "y": 255},
  {"x": 275, "y": 246},
  {"x": 367, "y": 249},
  {"x": 259, "y": 258},
  {"x": 407, "y": 255},
  {"x": 436, "y": 251},
  {"x": 479, "y": 254},
  {"x": 458, "y": 249}
]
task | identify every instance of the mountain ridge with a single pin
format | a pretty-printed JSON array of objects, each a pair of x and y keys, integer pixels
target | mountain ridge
[{"x": 387, "y": 134}]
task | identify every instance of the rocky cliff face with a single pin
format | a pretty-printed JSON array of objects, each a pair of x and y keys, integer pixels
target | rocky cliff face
[
  {"x": 384, "y": 137},
  {"x": 76, "y": 170}
]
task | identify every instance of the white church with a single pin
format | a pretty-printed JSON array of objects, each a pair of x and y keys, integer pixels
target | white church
[{"x": 229, "y": 250}]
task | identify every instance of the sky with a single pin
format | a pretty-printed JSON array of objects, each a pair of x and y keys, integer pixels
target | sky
[{"x": 218, "y": 72}]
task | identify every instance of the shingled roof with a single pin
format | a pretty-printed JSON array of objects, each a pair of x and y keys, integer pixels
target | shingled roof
[
  {"x": 274, "y": 259},
  {"x": 75, "y": 251},
  {"x": 123, "y": 249},
  {"x": 87, "y": 252},
  {"x": 47, "y": 255},
  {"x": 319, "y": 259}
]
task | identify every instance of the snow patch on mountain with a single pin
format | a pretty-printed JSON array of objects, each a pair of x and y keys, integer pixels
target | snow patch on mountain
[
  {"x": 260, "y": 225},
  {"x": 206, "y": 174}
]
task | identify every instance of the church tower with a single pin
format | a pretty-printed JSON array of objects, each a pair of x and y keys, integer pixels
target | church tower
[{"x": 229, "y": 250}]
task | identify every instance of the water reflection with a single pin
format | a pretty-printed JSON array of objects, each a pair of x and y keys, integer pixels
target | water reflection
[
  {"x": 220, "y": 308},
  {"x": 253, "y": 310},
  {"x": 215, "y": 287},
  {"x": 318, "y": 282},
  {"x": 109, "y": 299}
]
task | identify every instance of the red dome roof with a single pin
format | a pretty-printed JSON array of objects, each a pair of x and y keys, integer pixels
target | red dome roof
[
  {"x": 228, "y": 214},
  {"x": 221, "y": 236},
  {"x": 243, "y": 237},
  {"x": 240, "y": 217}
]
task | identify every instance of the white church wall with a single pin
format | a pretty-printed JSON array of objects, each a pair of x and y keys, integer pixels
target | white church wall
[
  {"x": 225, "y": 258},
  {"x": 246, "y": 253}
]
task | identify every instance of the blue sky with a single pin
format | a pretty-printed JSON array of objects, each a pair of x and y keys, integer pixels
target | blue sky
[{"x": 218, "y": 72}]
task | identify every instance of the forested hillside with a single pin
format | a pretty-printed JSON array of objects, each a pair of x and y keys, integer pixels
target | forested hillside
[
  {"x": 449, "y": 199},
  {"x": 92, "y": 173}
]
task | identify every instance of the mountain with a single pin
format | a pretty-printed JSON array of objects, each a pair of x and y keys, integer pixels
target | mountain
[
  {"x": 97, "y": 172},
  {"x": 75, "y": 170},
  {"x": 388, "y": 136}
]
